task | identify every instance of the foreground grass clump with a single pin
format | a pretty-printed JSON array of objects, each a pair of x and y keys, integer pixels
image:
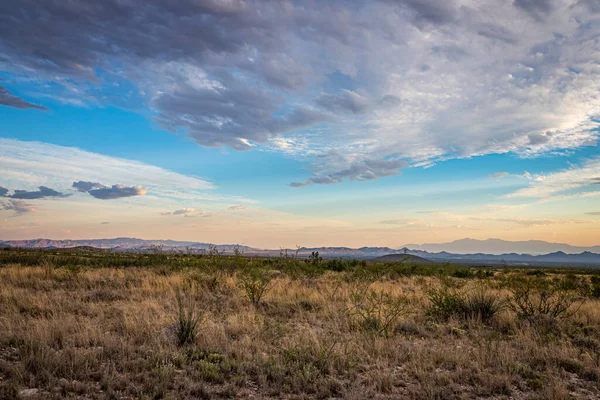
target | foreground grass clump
[{"x": 98, "y": 325}]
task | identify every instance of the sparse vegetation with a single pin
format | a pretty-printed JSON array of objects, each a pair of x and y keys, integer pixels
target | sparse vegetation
[
  {"x": 187, "y": 320},
  {"x": 121, "y": 326}
]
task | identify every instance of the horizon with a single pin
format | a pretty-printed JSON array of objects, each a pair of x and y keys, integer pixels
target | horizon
[{"x": 329, "y": 124}]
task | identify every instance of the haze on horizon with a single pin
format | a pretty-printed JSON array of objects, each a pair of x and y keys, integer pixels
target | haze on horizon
[{"x": 283, "y": 123}]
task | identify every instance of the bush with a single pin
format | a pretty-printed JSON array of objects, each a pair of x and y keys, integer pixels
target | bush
[
  {"x": 546, "y": 300},
  {"x": 255, "y": 282},
  {"x": 376, "y": 312},
  {"x": 446, "y": 304},
  {"x": 187, "y": 321}
]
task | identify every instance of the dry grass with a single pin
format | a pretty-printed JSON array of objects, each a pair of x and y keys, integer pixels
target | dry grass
[{"x": 112, "y": 333}]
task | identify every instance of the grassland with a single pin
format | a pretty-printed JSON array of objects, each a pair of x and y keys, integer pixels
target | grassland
[{"x": 100, "y": 325}]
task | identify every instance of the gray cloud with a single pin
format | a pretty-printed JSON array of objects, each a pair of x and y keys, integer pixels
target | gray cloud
[
  {"x": 237, "y": 208},
  {"x": 10, "y": 100},
  {"x": 19, "y": 207},
  {"x": 497, "y": 32},
  {"x": 83, "y": 186},
  {"x": 536, "y": 8},
  {"x": 595, "y": 213},
  {"x": 498, "y": 175},
  {"x": 365, "y": 170},
  {"x": 104, "y": 223},
  {"x": 117, "y": 192},
  {"x": 43, "y": 192},
  {"x": 3, "y": 191},
  {"x": 346, "y": 101}
]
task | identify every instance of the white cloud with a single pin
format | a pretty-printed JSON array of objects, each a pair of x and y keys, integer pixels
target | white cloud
[
  {"x": 27, "y": 165},
  {"x": 553, "y": 184}
]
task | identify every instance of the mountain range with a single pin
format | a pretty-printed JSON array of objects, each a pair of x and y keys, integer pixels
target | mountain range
[
  {"x": 491, "y": 251},
  {"x": 499, "y": 246}
]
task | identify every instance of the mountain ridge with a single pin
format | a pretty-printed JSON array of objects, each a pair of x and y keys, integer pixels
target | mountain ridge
[
  {"x": 498, "y": 246},
  {"x": 365, "y": 252}
]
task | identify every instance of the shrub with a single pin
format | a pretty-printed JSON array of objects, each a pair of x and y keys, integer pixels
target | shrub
[
  {"x": 446, "y": 303},
  {"x": 376, "y": 312},
  {"x": 187, "y": 321},
  {"x": 546, "y": 300},
  {"x": 255, "y": 282},
  {"x": 483, "y": 306},
  {"x": 480, "y": 305}
]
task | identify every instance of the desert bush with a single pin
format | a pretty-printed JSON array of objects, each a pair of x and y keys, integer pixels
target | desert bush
[
  {"x": 256, "y": 282},
  {"x": 376, "y": 312},
  {"x": 188, "y": 320},
  {"x": 73, "y": 270},
  {"x": 543, "y": 299},
  {"x": 483, "y": 306},
  {"x": 446, "y": 303},
  {"x": 479, "y": 305}
]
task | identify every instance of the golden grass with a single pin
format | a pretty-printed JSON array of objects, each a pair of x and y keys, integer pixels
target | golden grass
[{"x": 109, "y": 333}]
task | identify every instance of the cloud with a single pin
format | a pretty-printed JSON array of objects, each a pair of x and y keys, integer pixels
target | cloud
[
  {"x": 365, "y": 170},
  {"x": 83, "y": 186},
  {"x": 551, "y": 185},
  {"x": 3, "y": 191},
  {"x": 104, "y": 223},
  {"x": 42, "y": 193},
  {"x": 244, "y": 74},
  {"x": 19, "y": 207},
  {"x": 536, "y": 8},
  {"x": 237, "y": 208},
  {"x": 188, "y": 212},
  {"x": 346, "y": 101},
  {"x": 10, "y": 100},
  {"x": 498, "y": 175},
  {"x": 593, "y": 213},
  {"x": 184, "y": 211},
  {"x": 117, "y": 192},
  {"x": 31, "y": 164}
]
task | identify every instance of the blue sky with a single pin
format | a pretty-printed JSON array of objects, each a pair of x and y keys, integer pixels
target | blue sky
[{"x": 281, "y": 123}]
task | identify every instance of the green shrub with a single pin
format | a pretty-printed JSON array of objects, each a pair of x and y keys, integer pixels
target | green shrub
[{"x": 479, "y": 305}]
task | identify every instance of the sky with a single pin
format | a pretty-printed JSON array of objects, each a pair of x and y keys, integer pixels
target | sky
[{"x": 282, "y": 123}]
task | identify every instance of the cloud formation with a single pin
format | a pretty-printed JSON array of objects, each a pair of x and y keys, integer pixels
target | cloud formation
[
  {"x": 375, "y": 80},
  {"x": 357, "y": 171},
  {"x": 237, "y": 208},
  {"x": 3, "y": 191},
  {"x": 498, "y": 175},
  {"x": 19, "y": 207},
  {"x": 563, "y": 183},
  {"x": 83, "y": 186},
  {"x": 31, "y": 164},
  {"x": 117, "y": 192},
  {"x": 42, "y": 193},
  {"x": 10, "y": 100},
  {"x": 188, "y": 212}
]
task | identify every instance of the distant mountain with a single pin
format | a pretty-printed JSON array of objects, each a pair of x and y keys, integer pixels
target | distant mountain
[
  {"x": 498, "y": 246},
  {"x": 465, "y": 251},
  {"x": 119, "y": 244},
  {"x": 407, "y": 258}
]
